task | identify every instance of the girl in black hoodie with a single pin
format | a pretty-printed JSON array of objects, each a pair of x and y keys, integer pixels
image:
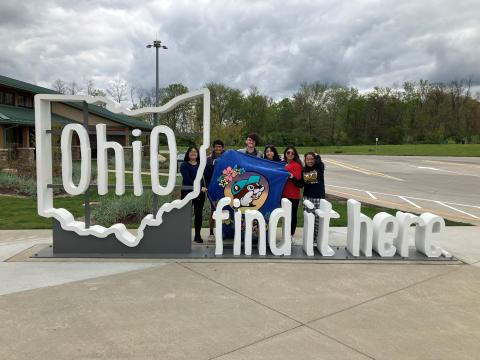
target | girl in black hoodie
[{"x": 313, "y": 182}]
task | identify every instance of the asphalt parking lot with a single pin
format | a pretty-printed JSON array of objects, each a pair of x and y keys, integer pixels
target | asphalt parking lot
[{"x": 446, "y": 186}]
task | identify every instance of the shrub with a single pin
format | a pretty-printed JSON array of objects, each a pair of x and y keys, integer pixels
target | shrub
[
  {"x": 19, "y": 185},
  {"x": 127, "y": 209}
]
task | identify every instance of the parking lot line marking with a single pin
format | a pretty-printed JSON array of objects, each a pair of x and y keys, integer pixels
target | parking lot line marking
[
  {"x": 364, "y": 198},
  {"x": 461, "y": 211},
  {"x": 410, "y": 202},
  {"x": 429, "y": 168},
  {"x": 371, "y": 195},
  {"x": 447, "y": 215},
  {"x": 361, "y": 170},
  {"x": 449, "y": 171},
  {"x": 469, "y": 166},
  {"x": 452, "y": 163},
  {"x": 411, "y": 197}
]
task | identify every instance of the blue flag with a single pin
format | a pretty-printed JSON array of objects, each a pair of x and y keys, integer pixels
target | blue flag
[{"x": 257, "y": 183}]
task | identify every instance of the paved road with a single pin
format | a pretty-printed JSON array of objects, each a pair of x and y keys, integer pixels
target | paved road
[{"x": 447, "y": 186}]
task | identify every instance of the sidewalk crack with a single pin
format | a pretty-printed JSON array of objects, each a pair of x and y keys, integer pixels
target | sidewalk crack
[{"x": 383, "y": 295}]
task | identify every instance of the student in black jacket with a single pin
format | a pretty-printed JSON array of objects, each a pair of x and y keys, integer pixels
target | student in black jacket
[
  {"x": 313, "y": 182},
  {"x": 189, "y": 169},
  {"x": 218, "y": 150}
]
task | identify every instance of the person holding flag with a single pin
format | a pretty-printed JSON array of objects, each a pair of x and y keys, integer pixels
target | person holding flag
[
  {"x": 291, "y": 191},
  {"x": 313, "y": 182},
  {"x": 271, "y": 153},
  {"x": 252, "y": 141},
  {"x": 218, "y": 150}
]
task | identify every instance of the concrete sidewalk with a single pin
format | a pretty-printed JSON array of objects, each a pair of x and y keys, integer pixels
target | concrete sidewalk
[{"x": 240, "y": 310}]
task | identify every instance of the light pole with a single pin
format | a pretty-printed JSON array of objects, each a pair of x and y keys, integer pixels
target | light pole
[{"x": 157, "y": 44}]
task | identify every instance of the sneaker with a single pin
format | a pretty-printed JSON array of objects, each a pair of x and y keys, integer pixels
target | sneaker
[
  {"x": 198, "y": 239},
  {"x": 211, "y": 238}
]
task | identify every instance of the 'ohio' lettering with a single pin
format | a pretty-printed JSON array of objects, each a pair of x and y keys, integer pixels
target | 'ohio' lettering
[{"x": 102, "y": 161}]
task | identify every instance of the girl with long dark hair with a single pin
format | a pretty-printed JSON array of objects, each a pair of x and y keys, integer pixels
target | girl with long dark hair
[
  {"x": 271, "y": 153},
  {"x": 291, "y": 191},
  {"x": 189, "y": 169},
  {"x": 313, "y": 182}
]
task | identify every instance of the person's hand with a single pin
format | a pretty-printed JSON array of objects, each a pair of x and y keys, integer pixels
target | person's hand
[
  {"x": 204, "y": 189},
  {"x": 290, "y": 175}
]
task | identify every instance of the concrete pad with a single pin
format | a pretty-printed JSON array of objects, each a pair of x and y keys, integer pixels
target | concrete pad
[
  {"x": 168, "y": 312},
  {"x": 300, "y": 343},
  {"x": 15, "y": 277},
  {"x": 7, "y": 236},
  {"x": 437, "y": 319},
  {"x": 8, "y": 250},
  {"x": 461, "y": 241},
  {"x": 307, "y": 291},
  {"x": 21, "y": 276}
]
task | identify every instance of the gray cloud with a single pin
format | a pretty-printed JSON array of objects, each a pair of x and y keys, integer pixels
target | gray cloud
[{"x": 272, "y": 45}]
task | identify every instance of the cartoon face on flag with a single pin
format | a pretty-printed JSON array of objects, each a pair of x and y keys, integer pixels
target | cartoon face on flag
[
  {"x": 257, "y": 183},
  {"x": 249, "y": 191}
]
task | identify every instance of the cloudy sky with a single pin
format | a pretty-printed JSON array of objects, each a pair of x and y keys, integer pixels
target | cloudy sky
[{"x": 274, "y": 45}]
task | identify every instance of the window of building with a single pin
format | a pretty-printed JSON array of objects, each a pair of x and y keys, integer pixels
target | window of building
[
  {"x": 6, "y": 98},
  {"x": 25, "y": 101}
]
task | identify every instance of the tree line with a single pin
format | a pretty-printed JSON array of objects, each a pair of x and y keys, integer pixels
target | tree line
[{"x": 317, "y": 114}]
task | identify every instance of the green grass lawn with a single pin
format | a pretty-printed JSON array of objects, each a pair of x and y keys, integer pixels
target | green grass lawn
[
  {"x": 409, "y": 149},
  {"x": 21, "y": 212},
  {"x": 412, "y": 150}
]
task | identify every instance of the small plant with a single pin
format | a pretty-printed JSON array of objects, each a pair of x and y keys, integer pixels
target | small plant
[
  {"x": 127, "y": 209},
  {"x": 18, "y": 185}
]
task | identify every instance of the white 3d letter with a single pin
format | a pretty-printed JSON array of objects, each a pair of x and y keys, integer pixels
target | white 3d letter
[
  {"x": 286, "y": 244},
  {"x": 308, "y": 228},
  {"x": 325, "y": 213},
  {"x": 359, "y": 230},
  {"x": 219, "y": 215},
  {"x": 172, "y": 170},
  {"x": 237, "y": 218},
  {"x": 137, "y": 164},
  {"x": 405, "y": 220},
  {"x": 423, "y": 234},
  {"x": 385, "y": 229},
  {"x": 102, "y": 162},
  {"x": 85, "y": 167},
  {"x": 250, "y": 216}
]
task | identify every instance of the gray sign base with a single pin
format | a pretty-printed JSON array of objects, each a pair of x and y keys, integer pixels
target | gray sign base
[
  {"x": 173, "y": 236},
  {"x": 208, "y": 252}
]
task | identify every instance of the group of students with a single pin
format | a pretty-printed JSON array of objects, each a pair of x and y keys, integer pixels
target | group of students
[{"x": 309, "y": 176}]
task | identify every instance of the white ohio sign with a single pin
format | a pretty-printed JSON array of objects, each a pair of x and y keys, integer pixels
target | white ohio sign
[{"x": 43, "y": 127}]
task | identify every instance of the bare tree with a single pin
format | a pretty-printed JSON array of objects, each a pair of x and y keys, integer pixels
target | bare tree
[
  {"x": 73, "y": 88},
  {"x": 118, "y": 90},
  {"x": 90, "y": 86},
  {"x": 59, "y": 86},
  {"x": 92, "y": 90},
  {"x": 133, "y": 96}
]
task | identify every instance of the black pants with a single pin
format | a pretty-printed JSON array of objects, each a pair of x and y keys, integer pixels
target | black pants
[
  {"x": 293, "y": 226},
  {"x": 197, "y": 210}
]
